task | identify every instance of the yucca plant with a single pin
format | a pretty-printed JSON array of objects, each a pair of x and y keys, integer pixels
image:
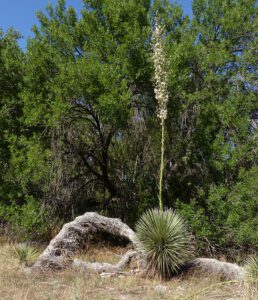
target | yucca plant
[
  {"x": 24, "y": 253},
  {"x": 163, "y": 239},
  {"x": 251, "y": 268},
  {"x": 161, "y": 235}
]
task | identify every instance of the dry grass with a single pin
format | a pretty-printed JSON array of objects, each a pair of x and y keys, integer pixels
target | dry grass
[{"x": 14, "y": 284}]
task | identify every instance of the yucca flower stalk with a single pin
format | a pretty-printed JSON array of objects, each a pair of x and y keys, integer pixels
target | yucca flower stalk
[{"x": 161, "y": 94}]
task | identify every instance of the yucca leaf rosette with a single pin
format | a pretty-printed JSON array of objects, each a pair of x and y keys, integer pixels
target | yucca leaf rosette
[{"x": 163, "y": 239}]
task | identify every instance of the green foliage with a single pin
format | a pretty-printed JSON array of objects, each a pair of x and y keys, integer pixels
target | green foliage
[
  {"x": 24, "y": 253},
  {"x": 80, "y": 79},
  {"x": 233, "y": 209},
  {"x": 230, "y": 218},
  {"x": 28, "y": 221},
  {"x": 195, "y": 216},
  {"x": 163, "y": 238},
  {"x": 11, "y": 84},
  {"x": 78, "y": 128}
]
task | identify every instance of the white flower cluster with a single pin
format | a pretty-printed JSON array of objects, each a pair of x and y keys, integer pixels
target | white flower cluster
[{"x": 161, "y": 91}]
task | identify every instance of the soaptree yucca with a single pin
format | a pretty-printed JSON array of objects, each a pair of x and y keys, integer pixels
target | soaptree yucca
[
  {"x": 161, "y": 235},
  {"x": 22, "y": 252},
  {"x": 251, "y": 268},
  {"x": 163, "y": 239}
]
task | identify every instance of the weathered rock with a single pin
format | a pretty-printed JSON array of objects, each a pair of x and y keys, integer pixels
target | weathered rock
[
  {"x": 97, "y": 267},
  {"x": 114, "y": 274},
  {"x": 60, "y": 251},
  {"x": 214, "y": 267},
  {"x": 160, "y": 288}
]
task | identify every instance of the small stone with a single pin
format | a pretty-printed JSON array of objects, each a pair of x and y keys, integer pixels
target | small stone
[
  {"x": 160, "y": 288},
  {"x": 112, "y": 274},
  {"x": 106, "y": 275}
]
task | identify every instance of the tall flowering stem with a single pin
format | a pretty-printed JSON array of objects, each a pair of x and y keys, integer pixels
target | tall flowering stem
[{"x": 161, "y": 94}]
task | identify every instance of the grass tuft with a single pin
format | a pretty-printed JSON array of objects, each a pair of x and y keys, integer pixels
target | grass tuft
[
  {"x": 24, "y": 253},
  {"x": 251, "y": 268}
]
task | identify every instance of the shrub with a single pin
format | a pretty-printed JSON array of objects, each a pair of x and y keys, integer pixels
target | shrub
[
  {"x": 226, "y": 221},
  {"x": 163, "y": 239},
  {"x": 27, "y": 221},
  {"x": 22, "y": 252}
]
